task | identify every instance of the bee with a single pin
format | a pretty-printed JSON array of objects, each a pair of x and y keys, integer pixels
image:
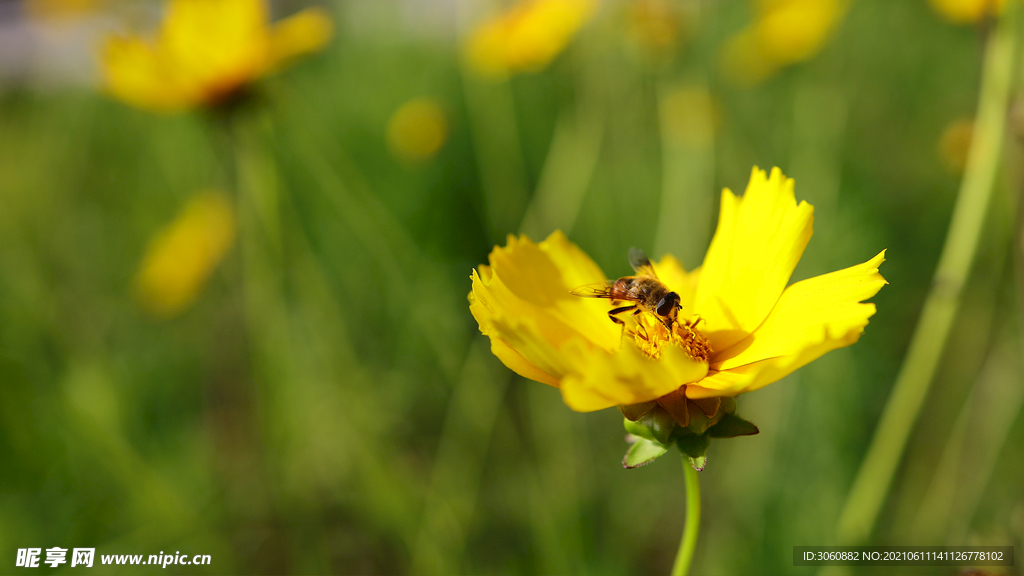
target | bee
[{"x": 646, "y": 292}]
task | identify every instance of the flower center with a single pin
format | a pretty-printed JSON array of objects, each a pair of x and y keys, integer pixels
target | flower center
[{"x": 651, "y": 336}]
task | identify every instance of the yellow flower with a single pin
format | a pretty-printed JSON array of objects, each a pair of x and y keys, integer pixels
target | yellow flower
[
  {"x": 417, "y": 130},
  {"x": 967, "y": 11},
  {"x": 785, "y": 32},
  {"x": 527, "y": 35},
  {"x": 740, "y": 327},
  {"x": 207, "y": 52},
  {"x": 181, "y": 257}
]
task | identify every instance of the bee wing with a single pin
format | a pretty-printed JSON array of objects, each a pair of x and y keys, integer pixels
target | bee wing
[
  {"x": 596, "y": 290},
  {"x": 640, "y": 263}
]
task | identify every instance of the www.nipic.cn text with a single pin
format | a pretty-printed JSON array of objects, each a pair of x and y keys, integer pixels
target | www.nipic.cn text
[{"x": 56, "y": 556}]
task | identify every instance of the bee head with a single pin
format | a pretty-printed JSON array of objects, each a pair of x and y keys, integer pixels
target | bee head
[{"x": 668, "y": 305}]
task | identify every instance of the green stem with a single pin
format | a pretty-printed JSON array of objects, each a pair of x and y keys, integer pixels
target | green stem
[
  {"x": 689, "y": 542},
  {"x": 871, "y": 486}
]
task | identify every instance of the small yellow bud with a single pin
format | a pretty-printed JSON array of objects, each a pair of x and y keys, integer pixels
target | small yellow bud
[
  {"x": 955, "y": 144},
  {"x": 417, "y": 130}
]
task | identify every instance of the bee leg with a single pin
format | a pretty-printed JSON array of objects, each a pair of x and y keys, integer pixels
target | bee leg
[
  {"x": 641, "y": 327},
  {"x": 667, "y": 323},
  {"x": 619, "y": 321},
  {"x": 612, "y": 314}
]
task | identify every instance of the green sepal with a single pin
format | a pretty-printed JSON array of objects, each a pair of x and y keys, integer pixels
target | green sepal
[
  {"x": 656, "y": 425},
  {"x": 643, "y": 451},
  {"x": 731, "y": 426},
  {"x": 693, "y": 445},
  {"x": 695, "y": 448}
]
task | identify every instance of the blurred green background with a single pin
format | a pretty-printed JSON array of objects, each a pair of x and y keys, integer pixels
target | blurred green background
[{"x": 327, "y": 404}]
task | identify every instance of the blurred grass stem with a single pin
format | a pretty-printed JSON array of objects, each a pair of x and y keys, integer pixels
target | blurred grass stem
[
  {"x": 458, "y": 466},
  {"x": 571, "y": 161},
  {"x": 972, "y": 453},
  {"x": 292, "y": 388},
  {"x": 573, "y": 155},
  {"x": 491, "y": 110},
  {"x": 374, "y": 226},
  {"x": 255, "y": 188},
  {"x": 689, "y": 542},
  {"x": 873, "y": 481},
  {"x": 688, "y": 170}
]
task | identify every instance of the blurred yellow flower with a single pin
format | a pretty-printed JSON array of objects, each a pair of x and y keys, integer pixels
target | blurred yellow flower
[
  {"x": 527, "y": 35},
  {"x": 955, "y": 144},
  {"x": 417, "y": 130},
  {"x": 207, "y": 52},
  {"x": 783, "y": 33},
  {"x": 655, "y": 25},
  {"x": 740, "y": 327},
  {"x": 967, "y": 11},
  {"x": 181, "y": 257}
]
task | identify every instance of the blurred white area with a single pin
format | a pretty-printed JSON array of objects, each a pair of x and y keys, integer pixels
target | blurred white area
[
  {"x": 48, "y": 48},
  {"x": 436, "y": 18},
  {"x": 391, "y": 21}
]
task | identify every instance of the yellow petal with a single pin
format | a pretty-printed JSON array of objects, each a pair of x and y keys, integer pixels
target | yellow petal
[
  {"x": 544, "y": 274},
  {"x": 523, "y": 300},
  {"x": 785, "y": 32},
  {"x": 811, "y": 318},
  {"x": 218, "y": 45},
  {"x": 515, "y": 361},
  {"x": 576, "y": 269},
  {"x": 135, "y": 73},
  {"x": 527, "y": 36},
  {"x": 759, "y": 241},
  {"x": 628, "y": 377},
  {"x": 514, "y": 325},
  {"x": 182, "y": 256},
  {"x": 795, "y": 30},
  {"x": 729, "y": 383},
  {"x": 302, "y": 33}
]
